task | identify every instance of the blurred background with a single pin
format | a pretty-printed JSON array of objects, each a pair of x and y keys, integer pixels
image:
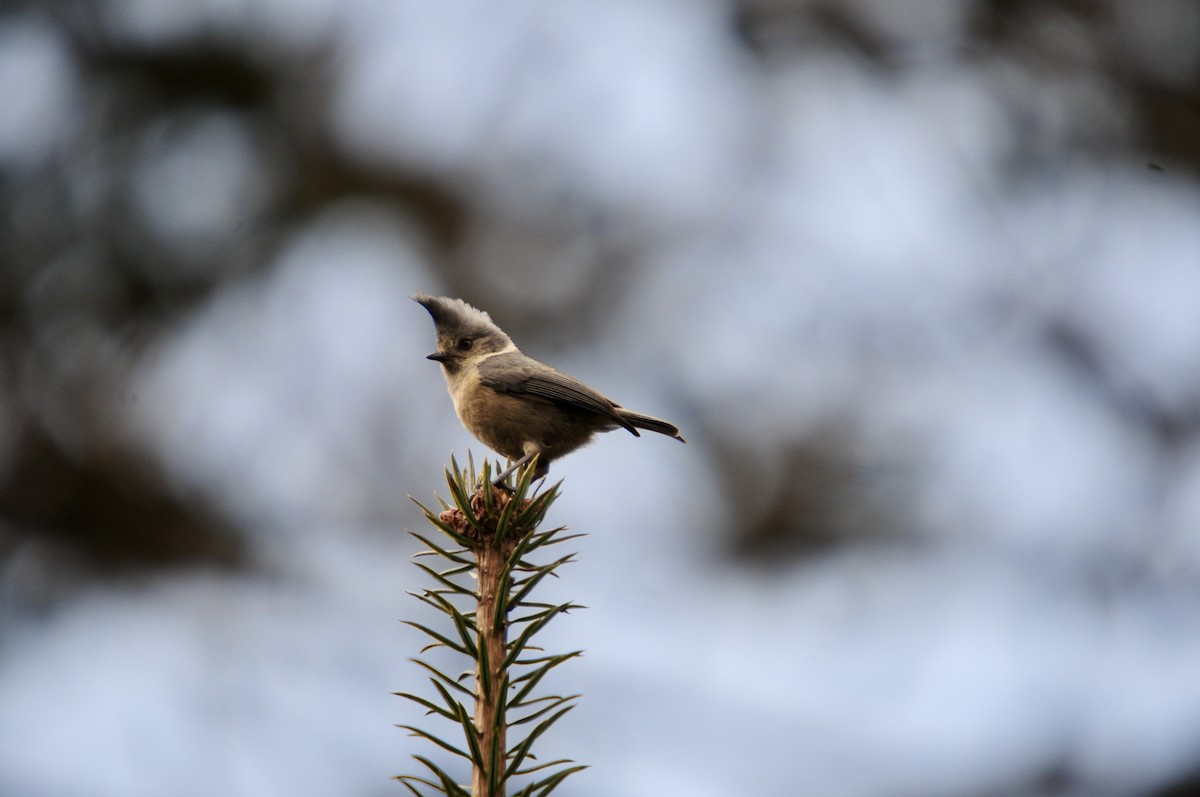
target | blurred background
[{"x": 919, "y": 281}]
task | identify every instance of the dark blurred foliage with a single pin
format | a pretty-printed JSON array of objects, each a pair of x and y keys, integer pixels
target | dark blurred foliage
[
  {"x": 89, "y": 284},
  {"x": 1033, "y": 34},
  {"x": 1188, "y": 787},
  {"x": 828, "y": 498},
  {"x": 89, "y": 281}
]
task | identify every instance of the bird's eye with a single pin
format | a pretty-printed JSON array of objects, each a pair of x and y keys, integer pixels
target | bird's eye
[{"x": 464, "y": 344}]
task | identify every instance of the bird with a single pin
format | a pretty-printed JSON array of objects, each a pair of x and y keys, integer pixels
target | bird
[{"x": 515, "y": 405}]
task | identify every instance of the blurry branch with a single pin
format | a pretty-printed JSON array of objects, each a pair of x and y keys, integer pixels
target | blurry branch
[
  {"x": 108, "y": 507},
  {"x": 484, "y": 575}
]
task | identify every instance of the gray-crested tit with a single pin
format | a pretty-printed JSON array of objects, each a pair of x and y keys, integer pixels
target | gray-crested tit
[{"x": 514, "y": 404}]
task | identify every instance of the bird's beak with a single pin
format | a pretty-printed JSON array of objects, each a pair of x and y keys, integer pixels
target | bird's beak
[{"x": 438, "y": 357}]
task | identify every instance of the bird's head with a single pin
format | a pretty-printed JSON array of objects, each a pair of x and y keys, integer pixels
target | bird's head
[{"x": 464, "y": 333}]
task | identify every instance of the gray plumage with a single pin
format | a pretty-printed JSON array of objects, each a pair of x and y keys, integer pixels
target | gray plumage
[{"x": 515, "y": 405}]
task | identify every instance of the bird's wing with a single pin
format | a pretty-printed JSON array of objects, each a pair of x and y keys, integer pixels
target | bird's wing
[{"x": 518, "y": 375}]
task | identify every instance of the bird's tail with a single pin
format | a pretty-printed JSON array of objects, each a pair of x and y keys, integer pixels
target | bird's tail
[{"x": 651, "y": 423}]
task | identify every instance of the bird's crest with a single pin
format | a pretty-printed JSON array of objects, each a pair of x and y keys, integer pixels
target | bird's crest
[{"x": 455, "y": 314}]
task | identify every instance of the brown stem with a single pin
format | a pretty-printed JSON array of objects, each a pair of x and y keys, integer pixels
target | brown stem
[
  {"x": 491, "y": 555},
  {"x": 489, "y": 560}
]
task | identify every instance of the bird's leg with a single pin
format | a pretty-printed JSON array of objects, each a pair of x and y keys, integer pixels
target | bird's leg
[{"x": 512, "y": 467}]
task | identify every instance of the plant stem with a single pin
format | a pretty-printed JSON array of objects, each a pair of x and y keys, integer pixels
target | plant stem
[
  {"x": 489, "y": 708},
  {"x": 498, "y": 528}
]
